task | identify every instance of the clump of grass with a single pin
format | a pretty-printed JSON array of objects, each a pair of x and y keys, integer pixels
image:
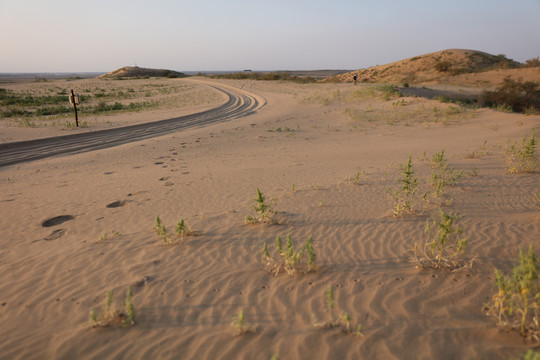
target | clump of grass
[
  {"x": 406, "y": 198},
  {"x": 342, "y": 320},
  {"x": 238, "y": 324},
  {"x": 264, "y": 211},
  {"x": 517, "y": 301},
  {"x": 289, "y": 259},
  {"x": 111, "y": 316},
  {"x": 444, "y": 246},
  {"x": 182, "y": 230},
  {"x": 522, "y": 158}
]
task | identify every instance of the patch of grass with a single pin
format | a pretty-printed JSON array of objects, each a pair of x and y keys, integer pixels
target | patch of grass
[
  {"x": 444, "y": 246},
  {"x": 263, "y": 210},
  {"x": 289, "y": 259},
  {"x": 516, "y": 305},
  {"x": 389, "y": 91},
  {"x": 111, "y": 315},
  {"x": 522, "y": 158},
  {"x": 281, "y": 75}
]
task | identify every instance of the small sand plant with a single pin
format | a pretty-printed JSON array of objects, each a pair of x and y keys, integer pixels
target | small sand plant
[
  {"x": 111, "y": 316},
  {"x": 446, "y": 173},
  {"x": 522, "y": 158},
  {"x": 444, "y": 246},
  {"x": 264, "y": 212},
  {"x": 105, "y": 236},
  {"x": 160, "y": 230},
  {"x": 182, "y": 230},
  {"x": 290, "y": 259},
  {"x": 516, "y": 304},
  {"x": 343, "y": 320},
  {"x": 238, "y": 324},
  {"x": 406, "y": 199},
  {"x": 354, "y": 180}
]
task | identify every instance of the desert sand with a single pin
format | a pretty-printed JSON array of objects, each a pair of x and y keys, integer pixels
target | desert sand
[{"x": 302, "y": 150}]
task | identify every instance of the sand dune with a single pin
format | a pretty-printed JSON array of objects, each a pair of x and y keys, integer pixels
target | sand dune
[{"x": 186, "y": 295}]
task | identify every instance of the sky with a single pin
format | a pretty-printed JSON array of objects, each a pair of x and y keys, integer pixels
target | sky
[{"x": 206, "y": 35}]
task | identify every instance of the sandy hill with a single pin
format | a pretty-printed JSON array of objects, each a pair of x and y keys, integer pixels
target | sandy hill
[
  {"x": 446, "y": 66},
  {"x": 135, "y": 71}
]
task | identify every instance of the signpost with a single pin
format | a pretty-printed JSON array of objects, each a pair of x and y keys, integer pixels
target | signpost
[{"x": 75, "y": 100}]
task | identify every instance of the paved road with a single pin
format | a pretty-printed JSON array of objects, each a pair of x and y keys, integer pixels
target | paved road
[{"x": 240, "y": 104}]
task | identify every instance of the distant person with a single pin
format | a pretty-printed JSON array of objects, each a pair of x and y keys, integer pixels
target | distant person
[{"x": 355, "y": 79}]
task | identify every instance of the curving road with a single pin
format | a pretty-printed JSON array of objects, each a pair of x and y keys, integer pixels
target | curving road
[{"x": 240, "y": 104}]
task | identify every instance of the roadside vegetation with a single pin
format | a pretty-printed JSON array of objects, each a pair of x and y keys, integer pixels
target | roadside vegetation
[
  {"x": 47, "y": 103},
  {"x": 280, "y": 75}
]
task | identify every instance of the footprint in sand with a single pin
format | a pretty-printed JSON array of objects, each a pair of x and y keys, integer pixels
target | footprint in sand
[
  {"x": 57, "y": 220},
  {"x": 116, "y": 204},
  {"x": 56, "y": 234}
]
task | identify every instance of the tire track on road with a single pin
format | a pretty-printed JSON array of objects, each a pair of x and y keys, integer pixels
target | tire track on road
[{"x": 240, "y": 103}]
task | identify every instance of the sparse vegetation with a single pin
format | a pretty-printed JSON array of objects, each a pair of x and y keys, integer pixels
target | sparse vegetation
[
  {"x": 289, "y": 259},
  {"x": 264, "y": 212},
  {"x": 522, "y": 158},
  {"x": 444, "y": 246},
  {"x": 160, "y": 230},
  {"x": 281, "y": 75},
  {"x": 111, "y": 315},
  {"x": 343, "y": 320},
  {"x": 182, "y": 230},
  {"x": 445, "y": 174},
  {"x": 238, "y": 324},
  {"x": 516, "y": 305},
  {"x": 405, "y": 199}
]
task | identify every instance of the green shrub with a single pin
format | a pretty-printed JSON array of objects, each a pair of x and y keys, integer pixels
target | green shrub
[
  {"x": 265, "y": 213},
  {"x": 522, "y": 158},
  {"x": 517, "y": 301},
  {"x": 111, "y": 316},
  {"x": 290, "y": 259},
  {"x": 444, "y": 246},
  {"x": 534, "y": 62},
  {"x": 406, "y": 199},
  {"x": 518, "y": 95}
]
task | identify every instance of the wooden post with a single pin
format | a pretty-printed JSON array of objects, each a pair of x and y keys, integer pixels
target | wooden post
[{"x": 72, "y": 98}]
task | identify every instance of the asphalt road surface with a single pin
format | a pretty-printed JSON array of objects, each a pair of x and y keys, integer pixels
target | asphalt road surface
[{"x": 239, "y": 104}]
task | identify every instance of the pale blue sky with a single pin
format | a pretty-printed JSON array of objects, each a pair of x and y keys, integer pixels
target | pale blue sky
[{"x": 103, "y": 35}]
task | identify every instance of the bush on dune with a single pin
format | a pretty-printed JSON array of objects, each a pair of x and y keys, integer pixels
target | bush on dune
[{"x": 518, "y": 95}]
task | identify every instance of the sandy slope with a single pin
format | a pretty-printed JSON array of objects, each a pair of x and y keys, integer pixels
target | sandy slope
[{"x": 186, "y": 295}]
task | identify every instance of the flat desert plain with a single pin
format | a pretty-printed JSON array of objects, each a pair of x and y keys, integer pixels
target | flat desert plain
[{"x": 75, "y": 227}]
